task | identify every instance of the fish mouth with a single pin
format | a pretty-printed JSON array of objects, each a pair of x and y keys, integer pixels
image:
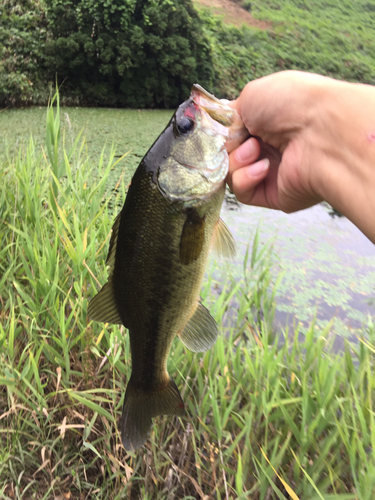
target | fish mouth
[
  {"x": 219, "y": 111},
  {"x": 219, "y": 118}
]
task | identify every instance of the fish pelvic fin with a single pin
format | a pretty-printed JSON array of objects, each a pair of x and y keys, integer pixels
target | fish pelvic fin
[
  {"x": 200, "y": 332},
  {"x": 141, "y": 406},
  {"x": 223, "y": 242},
  {"x": 103, "y": 306}
]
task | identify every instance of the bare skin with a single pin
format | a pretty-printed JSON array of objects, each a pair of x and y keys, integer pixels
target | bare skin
[{"x": 315, "y": 141}]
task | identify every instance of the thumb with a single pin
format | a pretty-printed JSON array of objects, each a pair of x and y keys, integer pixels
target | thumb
[{"x": 244, "y": 175}]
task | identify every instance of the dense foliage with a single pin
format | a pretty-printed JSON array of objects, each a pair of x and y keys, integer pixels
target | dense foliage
[
  {"x": 147, "y": 53},
  {"x": 132, "y": 53},
  {"x": 22, "y": 42},
  {"x": 129, "y": 53}
]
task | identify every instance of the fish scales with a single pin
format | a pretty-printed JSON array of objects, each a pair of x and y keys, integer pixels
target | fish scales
[
  {"x": 158, "y": 252},
  {"x": 154, "y": 292}
]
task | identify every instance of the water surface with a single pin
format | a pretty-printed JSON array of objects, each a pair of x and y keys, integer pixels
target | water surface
[{"x": 328, "y": 264}]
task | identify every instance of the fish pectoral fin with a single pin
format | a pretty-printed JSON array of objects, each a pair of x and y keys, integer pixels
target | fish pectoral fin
[
  {"x": 103, "y": 306},
  {"x": 200, "y": 332},
  {"x": 192, "y": 237},
  {"x": 141, "y": 406},
  {"x": 223, "y": 242}
]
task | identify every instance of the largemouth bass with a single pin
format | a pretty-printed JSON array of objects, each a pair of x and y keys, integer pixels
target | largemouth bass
[{"x": 158, "y": 252}]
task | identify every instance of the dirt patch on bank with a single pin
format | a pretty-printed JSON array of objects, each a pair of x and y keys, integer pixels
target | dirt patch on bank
[{"x": 233, "y": 13}]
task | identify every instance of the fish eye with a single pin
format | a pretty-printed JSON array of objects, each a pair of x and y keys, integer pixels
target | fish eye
[{"x": 184, "y": 125}]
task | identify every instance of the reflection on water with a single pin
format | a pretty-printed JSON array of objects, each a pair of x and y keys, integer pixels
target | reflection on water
[{"x": 329, "y": 264}]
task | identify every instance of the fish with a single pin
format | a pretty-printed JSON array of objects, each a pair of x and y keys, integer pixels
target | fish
[{"x": 158, "y": 252}]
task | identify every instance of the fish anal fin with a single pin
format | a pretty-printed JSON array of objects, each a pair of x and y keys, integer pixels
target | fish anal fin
[
  {"x": 192, "y": 237},
  {"x": 103, "y": 306},
  {"x": 200, "y": 332},
  {"x": 223, "y": 242},
  {"x": 141, "y": 406}
]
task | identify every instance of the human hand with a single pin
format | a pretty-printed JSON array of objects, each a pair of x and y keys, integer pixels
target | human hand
[
  {"x": 275, "y": 169},
  {"x": 314, "y": 140}
]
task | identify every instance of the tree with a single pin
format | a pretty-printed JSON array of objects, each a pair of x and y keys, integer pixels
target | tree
[
  {"x": 137, "y": 53},
  {"x": 22, "y": 39}
]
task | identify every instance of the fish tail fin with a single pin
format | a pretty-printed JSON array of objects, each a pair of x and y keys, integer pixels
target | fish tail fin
[{"x": 141, "y": 406}]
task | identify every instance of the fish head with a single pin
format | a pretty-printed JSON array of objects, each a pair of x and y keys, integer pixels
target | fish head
[{"x": 205, "y": 130}]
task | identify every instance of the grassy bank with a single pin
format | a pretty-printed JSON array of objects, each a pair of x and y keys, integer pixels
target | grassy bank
[
  {"x": 297, "y": 34},
  {"x": 266, "y": 418}
]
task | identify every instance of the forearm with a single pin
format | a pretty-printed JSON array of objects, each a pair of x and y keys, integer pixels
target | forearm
[{"x": 344, "y": 129}]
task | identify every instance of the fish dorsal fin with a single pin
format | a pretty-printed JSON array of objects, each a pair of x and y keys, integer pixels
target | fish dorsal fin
[
  {"x": 103, "y": 306},
  {"x": 113, "y": 245},
  {"x": 223, "y": 242},
  {"x": 201, "y": 331}
]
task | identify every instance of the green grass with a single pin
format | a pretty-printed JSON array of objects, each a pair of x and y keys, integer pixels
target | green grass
[
  {"x": 309, "y": 32},
  {"x": 269, "y": 414},
  {"x": 331, "y": 38}
]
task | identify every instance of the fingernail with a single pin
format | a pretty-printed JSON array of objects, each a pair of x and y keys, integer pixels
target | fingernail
[
  {"x": 245, "y": 151},
  {"x": 259, "y": 167}
]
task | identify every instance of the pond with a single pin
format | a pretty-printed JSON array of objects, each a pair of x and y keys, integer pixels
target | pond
[
  {"x": 328, "y": 264},
  {"x": 129, "y": 131}
]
